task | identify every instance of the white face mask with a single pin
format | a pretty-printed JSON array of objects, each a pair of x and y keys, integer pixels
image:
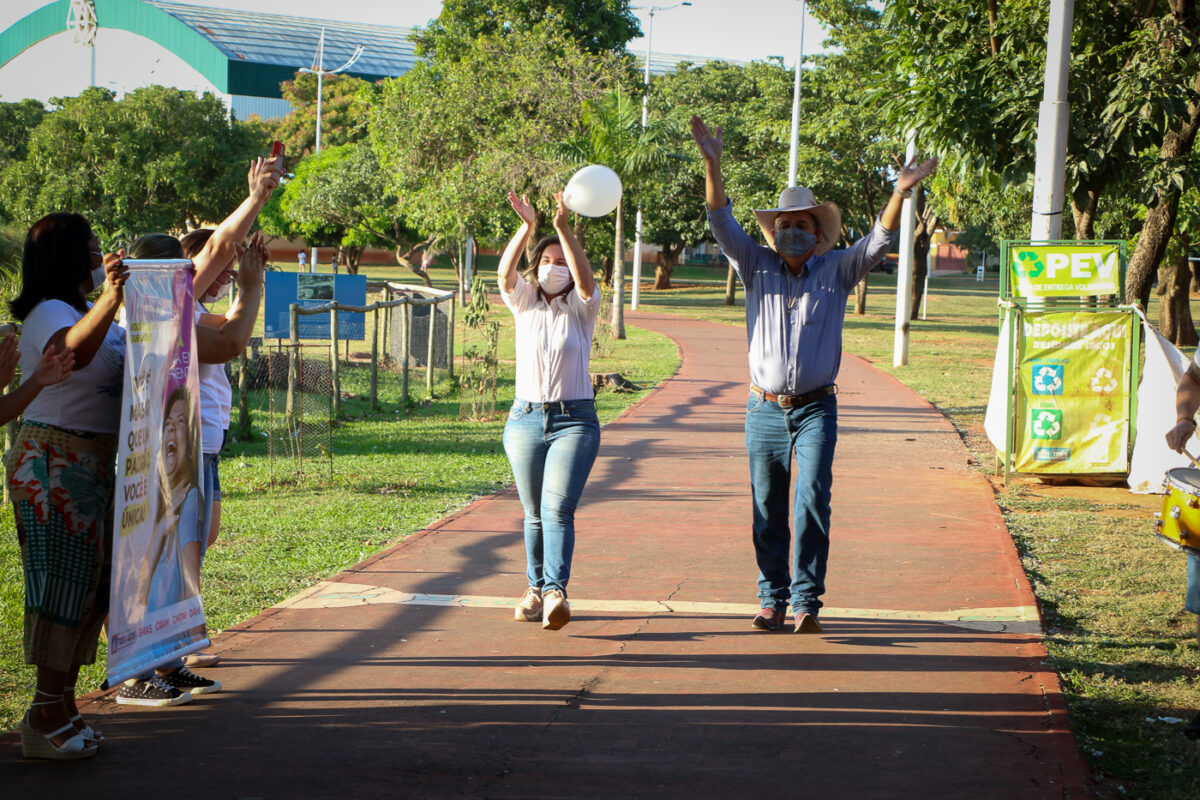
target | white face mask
[
  {"x": 553, "y": 278},
  {"x": 97, "y": 278},
  {"x": 220, "y": 292}
]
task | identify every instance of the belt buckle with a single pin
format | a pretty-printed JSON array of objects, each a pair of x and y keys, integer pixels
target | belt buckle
[{"x": 789, "y": 400}]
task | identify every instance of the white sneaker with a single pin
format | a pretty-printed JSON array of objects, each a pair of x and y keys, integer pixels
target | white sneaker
[
  {"x": 556, "y": 612},
  {"x": 530, "y": 607}
]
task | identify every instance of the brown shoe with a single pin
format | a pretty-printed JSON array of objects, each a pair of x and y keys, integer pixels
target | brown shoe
[
  {"x": 201, "y": 660},
  {"x": 769, "y": 618},
  {"x": 557, "y": 611},
  {"x": 807, "y": 623},
  {"x": 530, "y": 607}
]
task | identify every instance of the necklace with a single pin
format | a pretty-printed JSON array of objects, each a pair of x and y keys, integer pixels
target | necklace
[{"x": 792, "y": 300}]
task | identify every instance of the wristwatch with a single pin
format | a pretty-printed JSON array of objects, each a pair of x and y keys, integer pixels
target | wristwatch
[{"x": 905, "y": 193}]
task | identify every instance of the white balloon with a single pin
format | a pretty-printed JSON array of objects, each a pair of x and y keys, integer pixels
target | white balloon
[{"x": 593, "y": 191}]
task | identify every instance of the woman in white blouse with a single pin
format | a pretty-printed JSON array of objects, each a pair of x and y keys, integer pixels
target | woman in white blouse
[{"x": 552, "y": 433}]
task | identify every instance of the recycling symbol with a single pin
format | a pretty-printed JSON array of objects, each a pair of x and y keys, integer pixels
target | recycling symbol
[
  {"x": 1032, "y": 265},
  {"x": 1047, "y": 424},
  {"x": 1104, "y": 382},
  {"x": 1099, "y": 424},
  {"x": 1048, "y": 380}
]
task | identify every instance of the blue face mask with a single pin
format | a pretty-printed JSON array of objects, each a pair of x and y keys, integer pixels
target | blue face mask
[{"x": 794, "y": 242}]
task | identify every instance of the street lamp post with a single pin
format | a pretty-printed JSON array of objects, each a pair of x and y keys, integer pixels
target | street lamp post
[
  {"x": 794, "y": 150},
  {"x": 319, "y": 70},
  {"x": 637, "y": 237}
]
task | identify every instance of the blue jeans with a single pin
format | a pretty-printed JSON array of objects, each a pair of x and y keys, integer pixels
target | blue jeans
[
  {"x": 551, "y": 447},
  {"x": 773, "y": 434}
]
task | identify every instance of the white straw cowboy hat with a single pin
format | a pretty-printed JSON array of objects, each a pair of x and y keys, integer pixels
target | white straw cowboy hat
[{"x": 799, "y": 198}]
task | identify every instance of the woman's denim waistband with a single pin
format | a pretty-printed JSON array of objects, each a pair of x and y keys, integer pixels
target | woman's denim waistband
[{"x": 561, "y": 406}]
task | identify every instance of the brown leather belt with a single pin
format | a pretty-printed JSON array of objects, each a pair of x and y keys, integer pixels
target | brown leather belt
[{"x": 795, "y": 400}]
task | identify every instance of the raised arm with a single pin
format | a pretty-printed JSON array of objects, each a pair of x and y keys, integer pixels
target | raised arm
[
  {"x": 85, "y": 337},
  {"x": 909, "y": 177},
  {"x": 219, "y": 251},
  {"x": 506, "y": 273},
  {"x": 1187, "y": 400},
  {"x": 577, "y": 261},
  {"x": 217, "y": 345},
  {"x": 711, "y": 146}
]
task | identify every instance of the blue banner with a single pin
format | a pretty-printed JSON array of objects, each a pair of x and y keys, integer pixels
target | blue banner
[{"x": 310, "y": 290}]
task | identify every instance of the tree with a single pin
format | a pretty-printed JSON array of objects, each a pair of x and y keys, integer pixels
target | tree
[
  {"x": 158, "y": 159},
  {"x": 971, "y": 82},
  {"x": 596, "y": 26},
  {"x": 752, "y": 105},
  {"x": 614, "y": 137},
  {"x": 17, "y": 121},
  {"x": 453, "y": 137},
  {"x": 345, "y": 107},
  {"x": 341, "y": 194}
]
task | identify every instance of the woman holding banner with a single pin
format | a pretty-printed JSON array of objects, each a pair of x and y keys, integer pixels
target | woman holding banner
[
  {"x": 61, "y": 470},
  {"x": 552, "y": 434}
]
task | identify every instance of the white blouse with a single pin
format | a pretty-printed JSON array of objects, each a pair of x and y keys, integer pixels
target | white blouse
[{"x": 554, "y": 343}]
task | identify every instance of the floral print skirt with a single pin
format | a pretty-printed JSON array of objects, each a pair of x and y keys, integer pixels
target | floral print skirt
[{"x": 61, "y": 482}]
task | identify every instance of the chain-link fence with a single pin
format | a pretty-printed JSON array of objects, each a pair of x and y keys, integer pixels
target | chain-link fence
[{"x": 294, "y": 392}]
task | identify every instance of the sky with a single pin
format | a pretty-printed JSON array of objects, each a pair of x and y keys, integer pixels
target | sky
[{"x": 741, "y": 30}]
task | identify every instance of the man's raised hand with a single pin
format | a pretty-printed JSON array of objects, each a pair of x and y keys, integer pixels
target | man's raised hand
[{"x": 709, "y": 142}]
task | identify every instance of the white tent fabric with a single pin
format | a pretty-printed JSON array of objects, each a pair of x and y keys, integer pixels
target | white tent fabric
[
  {"x": 997, "y": 407},
  {"x": 1152, "y": 458}
]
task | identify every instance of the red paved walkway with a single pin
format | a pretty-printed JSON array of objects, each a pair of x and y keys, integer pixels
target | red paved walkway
[{"x": 659, "y": 687}]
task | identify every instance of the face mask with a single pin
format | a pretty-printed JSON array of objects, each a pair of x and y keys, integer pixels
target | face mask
[
  {"x": 97, "y": 278},
  {"x": 553, "y": 278},
  {"x": 220, "y": 292},
  {"x": 794, "y": 242}
]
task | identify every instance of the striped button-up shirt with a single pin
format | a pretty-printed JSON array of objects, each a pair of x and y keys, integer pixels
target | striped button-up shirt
[{"x": 794, "y": 323}]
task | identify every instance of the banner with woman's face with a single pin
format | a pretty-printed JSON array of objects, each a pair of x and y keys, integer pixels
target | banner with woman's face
[{"x": 155, "y": 612}]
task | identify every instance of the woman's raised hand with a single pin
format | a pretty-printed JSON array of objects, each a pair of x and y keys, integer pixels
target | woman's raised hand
[
  {"x": 523, "y": 209},
  {"x": 115, "y": 273},
  {"x": 560, "y": 212}
]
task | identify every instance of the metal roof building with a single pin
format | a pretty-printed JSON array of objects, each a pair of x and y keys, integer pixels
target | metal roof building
[
  {"x": 239, "y": 55},
  {"x": 67, "y": 45}
]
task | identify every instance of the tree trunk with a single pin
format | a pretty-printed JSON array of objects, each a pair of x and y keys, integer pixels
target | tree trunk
[
  {"x": 404, "y": 258},
  {"x": 606, "y": 269},
  {"x": 1195, "y": 269},
  {"x": 1085, "y": 218},
  {"x": 731, "y": 281},
  {"x": 351, "y": 256},
  {"x": 922, "y": 235},
  {"x": 1174, "y": 311},
  {"x": 618, "y": 313},
  {"x": 860, "y": 295},
  {"x": 1160, "y": 219},
  {"x": 667, "y": 259},
  {"x": 534, "y": 238}
]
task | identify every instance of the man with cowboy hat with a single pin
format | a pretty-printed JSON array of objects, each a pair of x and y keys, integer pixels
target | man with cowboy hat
[{"x": 796, "y": 290}]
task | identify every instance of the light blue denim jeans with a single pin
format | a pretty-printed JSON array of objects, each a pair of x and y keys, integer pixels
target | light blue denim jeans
[
  {"x": 551, "y": 447},
  {"x": 773, "y": 435}
]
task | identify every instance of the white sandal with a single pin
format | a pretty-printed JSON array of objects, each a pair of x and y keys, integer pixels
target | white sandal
[
  {"x": 88, "y": 732},
  {"x": 40, "y": 745}
]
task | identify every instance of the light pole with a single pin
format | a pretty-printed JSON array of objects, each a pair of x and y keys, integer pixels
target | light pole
[
  {"x": 1054, "y": 115},
  {"x": 319, "y": 70},
  {"x": 794, "y": 154},
  {"x": 637, "y": 236}
]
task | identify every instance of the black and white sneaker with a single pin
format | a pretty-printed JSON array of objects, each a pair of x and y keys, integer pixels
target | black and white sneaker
[
  {"x": 151, "y": 692},
  {"x": 185, "y": 680}
]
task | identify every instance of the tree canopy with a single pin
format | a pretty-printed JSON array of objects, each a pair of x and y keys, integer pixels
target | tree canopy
[{"x": 158, "y": 159}]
